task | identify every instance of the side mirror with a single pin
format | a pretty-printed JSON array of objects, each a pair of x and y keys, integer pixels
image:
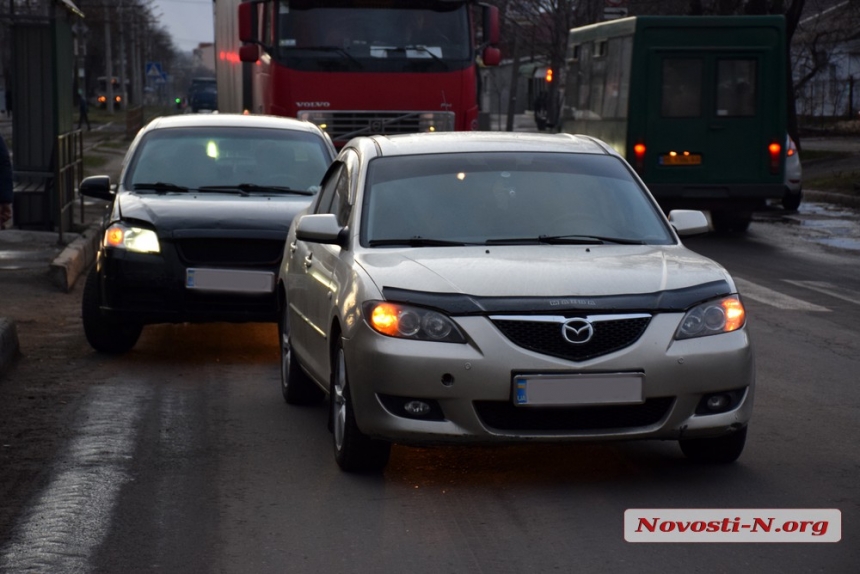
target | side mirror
[
  {"x": 688, "y": 222},
  {"x": 320, "y": 228},
  {"x": 491, "y": 56},
  {"x": 97, "y": 186},
  {"x": 249, "y": 53},
  {"x": 248, "y": 22},
  {"x": 491, "y": 25}
]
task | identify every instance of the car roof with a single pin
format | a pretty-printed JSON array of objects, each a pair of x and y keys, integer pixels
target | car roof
[
  {"x": 231, "y": 120},
  {"x": 461, "y": 142}
]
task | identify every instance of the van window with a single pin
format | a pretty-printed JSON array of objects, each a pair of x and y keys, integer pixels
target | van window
[
  {"x": 736, "y": 87},
  {"x": 682, "y": 88}
]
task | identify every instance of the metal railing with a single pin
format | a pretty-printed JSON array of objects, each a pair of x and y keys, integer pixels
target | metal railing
[{"x": 69, "y": 154}]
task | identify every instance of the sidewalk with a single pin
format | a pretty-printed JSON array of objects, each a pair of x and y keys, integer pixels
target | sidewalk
[{"x": 27, "y": 255}]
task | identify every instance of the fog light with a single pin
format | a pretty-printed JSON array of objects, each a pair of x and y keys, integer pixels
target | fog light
[
  {"x": 718, "y": 403},
  {"x": 417, "y": 408}
]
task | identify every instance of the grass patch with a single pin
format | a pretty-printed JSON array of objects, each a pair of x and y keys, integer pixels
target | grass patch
[
  {"x": 817, "y": 154},
  {"x": 92, "y": 161},
  {"x": 114, "y": 144},
  {"x": 847, "y": 182}
]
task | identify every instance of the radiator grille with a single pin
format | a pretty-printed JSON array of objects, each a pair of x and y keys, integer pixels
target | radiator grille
[
  {"x": 546, "y": 337},
  {"x": 230, "y": 251}
]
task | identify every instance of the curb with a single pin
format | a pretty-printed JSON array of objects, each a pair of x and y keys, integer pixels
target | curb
[
  {"x": 75, "y": 259},
  {"x": 9, "y": 348},
  {"x": 830, "y": 197}
]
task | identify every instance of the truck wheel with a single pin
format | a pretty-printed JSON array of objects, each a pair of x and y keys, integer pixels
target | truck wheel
[
  {"x": 354, "y": 451},
  {"x": 105, "y": 335},
  {"x": 720, "y": 450}
]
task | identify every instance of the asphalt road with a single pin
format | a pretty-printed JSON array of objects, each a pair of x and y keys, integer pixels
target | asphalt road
[{"x": 182, "y": 457}]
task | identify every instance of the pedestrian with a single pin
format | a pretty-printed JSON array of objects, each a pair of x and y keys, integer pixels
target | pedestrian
[
  {"x": 5, "y": 185},
  {"x": 84, "y": 108}
]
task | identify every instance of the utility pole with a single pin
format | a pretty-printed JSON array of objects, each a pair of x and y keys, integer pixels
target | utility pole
[
  {"x": 108, "y": 63},
  {"x": 123, "y": 89}
]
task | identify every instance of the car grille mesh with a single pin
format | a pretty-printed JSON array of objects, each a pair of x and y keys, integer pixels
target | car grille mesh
[
  {"x": 508, "y": 417},
  {"x": 546, "y": 337},
  {"x": 230, "y": 251}
]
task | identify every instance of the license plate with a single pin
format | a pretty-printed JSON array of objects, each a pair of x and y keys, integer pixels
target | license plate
[
  {"x": 230, "y": 280},
  {"x": 574, "y": 390},
  {"x": 680, "y": 159}
]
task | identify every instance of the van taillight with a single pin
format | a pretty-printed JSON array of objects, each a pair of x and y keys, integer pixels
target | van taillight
[
  {"x": 775, "y": 151},
  {"x": 639, "y": 155}
]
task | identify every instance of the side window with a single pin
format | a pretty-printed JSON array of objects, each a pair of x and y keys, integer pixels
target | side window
[
  {"x": 329, "y": 187},
  {"x": 681, "y": 88},
  {"x": 736, "y": 87}
]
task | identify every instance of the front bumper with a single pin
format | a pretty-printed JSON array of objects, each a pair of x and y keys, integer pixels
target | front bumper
[
  {"x": 151, "y": 288},
  {"x": 472, "y": 386}
]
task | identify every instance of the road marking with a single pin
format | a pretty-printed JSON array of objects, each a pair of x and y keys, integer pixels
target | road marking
[
  {"x": 71, "y": 517},
  {"x": 749, "y": 290},
  {"x": 828, "y": 289}
]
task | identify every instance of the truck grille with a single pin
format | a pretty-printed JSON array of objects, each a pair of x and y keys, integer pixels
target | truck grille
[
  {"x": 504, "y": 415},
  {"x": 545, "y": 336},
  {"x": 344, "y": 125}
]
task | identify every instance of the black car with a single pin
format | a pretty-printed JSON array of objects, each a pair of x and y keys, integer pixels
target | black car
[{"x": 196, "y": 226}]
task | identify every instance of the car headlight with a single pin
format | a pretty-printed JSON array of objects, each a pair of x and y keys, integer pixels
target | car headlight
[
  {"x": 711, "y": 318},
  {"x": 137, "y": 239},
  {"x": 407, "y": 322}
]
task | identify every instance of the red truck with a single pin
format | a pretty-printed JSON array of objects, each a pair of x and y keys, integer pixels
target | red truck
[{"x": 356, "y": 67}]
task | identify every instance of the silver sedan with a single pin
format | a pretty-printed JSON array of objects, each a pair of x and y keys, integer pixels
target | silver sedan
[{"x": 491, "y": 287}]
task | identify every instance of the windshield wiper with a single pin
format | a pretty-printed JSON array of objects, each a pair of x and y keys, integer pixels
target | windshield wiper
[
  {"x": 565, "y": 240},
  {"x": 158, "y": 186},
  {"x": 244, "y": 188},
  {"x": 418, "y": 242},
  {"x": 417, "y": 48},
  {"x": 337, "y": 49}
]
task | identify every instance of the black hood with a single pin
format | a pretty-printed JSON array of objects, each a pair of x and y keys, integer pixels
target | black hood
[{"x": 188, "y": 213}]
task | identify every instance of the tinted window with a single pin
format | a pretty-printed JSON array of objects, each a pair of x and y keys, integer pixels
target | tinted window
[
  {"x": 736, "y": 87},
  {"x": 484, "y": 196},
  {"x": 681, "y": 88},
  {"x": 195, "y": 157}
]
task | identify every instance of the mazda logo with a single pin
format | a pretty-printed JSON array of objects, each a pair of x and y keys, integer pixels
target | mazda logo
[{"x": 577, "y": 331}]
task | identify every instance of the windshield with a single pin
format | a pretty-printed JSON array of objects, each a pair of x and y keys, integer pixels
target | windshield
[
  {"x": 373, "y": 36},
  {"x": 229, "y": 156},
  {"x": 507, "y": 198}
]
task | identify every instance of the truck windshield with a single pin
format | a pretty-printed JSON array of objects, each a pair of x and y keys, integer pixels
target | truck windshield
[{"x": 358, "y": 35}]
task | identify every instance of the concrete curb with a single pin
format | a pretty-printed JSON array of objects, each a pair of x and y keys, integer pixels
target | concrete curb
[
  {"x": 9, "y": 348},
  {"x": 75, "y": 259}
]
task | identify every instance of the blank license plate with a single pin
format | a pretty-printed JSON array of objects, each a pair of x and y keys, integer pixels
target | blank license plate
[
  {"x": 680, "y": 159},
  {"x": 574, "y": 390},
  {"x": 230, "y": 280}
]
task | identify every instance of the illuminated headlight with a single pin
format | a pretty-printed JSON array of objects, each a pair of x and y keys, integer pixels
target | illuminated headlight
[
  {"x": 436, "y": 122},
  {"x": 407, "y": 322},
  {"x": 139, "y": 240},
  {"x": 711, "y": 318},
  {"x": 322, "y": 119}
]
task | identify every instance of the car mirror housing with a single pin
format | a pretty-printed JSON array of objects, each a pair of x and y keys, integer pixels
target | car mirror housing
[
  {"x": 97, "y": 186},
  {"x": 688, "y": 222},
  {"x": 320, "y": 228}
]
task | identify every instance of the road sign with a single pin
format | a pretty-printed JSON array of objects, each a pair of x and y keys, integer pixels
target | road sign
[
  {"x": 614, "y": 13},
  {"x": 153, "y": 70}
]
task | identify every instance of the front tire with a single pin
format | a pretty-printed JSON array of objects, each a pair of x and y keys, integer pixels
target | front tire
[
  {"x": 791, "y": 201},
  {"x": 105, "y": 335},
  {"x": 296, "y": 386},
  {"x": 719, "y": 450},
  {"x": 353, "y": 450}
]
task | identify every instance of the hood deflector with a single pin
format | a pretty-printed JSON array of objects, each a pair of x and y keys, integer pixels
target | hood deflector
[{"x": 675, "y": 300}]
